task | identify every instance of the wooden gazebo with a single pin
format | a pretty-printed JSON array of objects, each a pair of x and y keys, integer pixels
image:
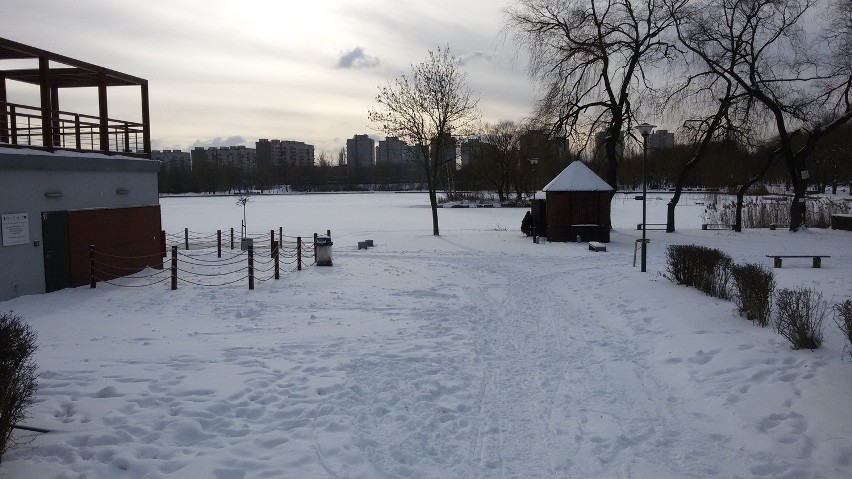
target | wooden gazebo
[
  {"x": 578, "y": 205},
  {"x": 47, "y": 127}
]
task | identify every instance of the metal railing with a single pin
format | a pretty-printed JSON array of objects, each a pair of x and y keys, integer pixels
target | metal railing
[{"x": 23, "y": 126}]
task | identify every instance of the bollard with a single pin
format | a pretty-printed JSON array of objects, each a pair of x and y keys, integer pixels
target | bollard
[
  {"x": 92, "y": 266},
  {"x": 219, "y": 243},
  {"x": 186, "y": 238},
  {"x": 275, "y": 254},
  {"x": 174, "y": 268},
  {"x": 299, "y": 253},
  {"x": 251, "y": 267}
]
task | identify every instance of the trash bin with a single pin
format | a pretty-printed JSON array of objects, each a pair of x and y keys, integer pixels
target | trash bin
[
  {"x": 323, "y": 250},
  {"x": 246, "y": 243}
]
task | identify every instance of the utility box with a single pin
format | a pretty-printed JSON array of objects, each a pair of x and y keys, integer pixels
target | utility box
[
  {"x": 246, "y": 243},
  {"x": 322, "y": 248}
]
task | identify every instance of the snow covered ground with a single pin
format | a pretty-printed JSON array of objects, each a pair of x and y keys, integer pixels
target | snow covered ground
[{"x": 472, "y": 354}]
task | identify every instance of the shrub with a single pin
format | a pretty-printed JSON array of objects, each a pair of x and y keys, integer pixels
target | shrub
[
  {"x": 17, "y": 375},
  {"x": 843, "y": 319},
  {"x": 799, "y": 317},
  {"x": 753, "y": 286},
  {"x": 707, "y": 269}
]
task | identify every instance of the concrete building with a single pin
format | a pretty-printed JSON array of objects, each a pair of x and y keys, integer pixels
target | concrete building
[
  {"x": 244, "y": 159},
  {"x": 283, "y": 153},
  {"x": 661, "y": 140},
  {"x": 360, "y": 156},
  {"x": 173, "y": 159},
  {"x": 395, "y": 152},
  {"x": 472, "y": 150}
]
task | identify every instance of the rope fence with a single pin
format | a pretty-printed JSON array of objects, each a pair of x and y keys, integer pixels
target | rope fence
[{"x": 197, "y": 259}]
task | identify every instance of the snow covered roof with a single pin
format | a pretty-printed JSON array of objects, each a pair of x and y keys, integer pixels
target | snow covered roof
[{"x": 577, "y": 177}]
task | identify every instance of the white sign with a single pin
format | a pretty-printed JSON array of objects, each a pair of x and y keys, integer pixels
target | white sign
[{"x": 16, "y": 229}]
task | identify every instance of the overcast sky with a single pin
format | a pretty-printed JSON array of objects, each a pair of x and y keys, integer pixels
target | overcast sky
[{"x": 233, "y": 71}]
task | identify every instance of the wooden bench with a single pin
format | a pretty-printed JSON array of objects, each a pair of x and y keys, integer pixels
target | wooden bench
[
  {"x": 775, "y": 226},
  {"x": 596, "y": 247},
  {"x": 716, "y": 226},
  {"x": 651, "y": 226},
  {"x": 817, "y": 258}
]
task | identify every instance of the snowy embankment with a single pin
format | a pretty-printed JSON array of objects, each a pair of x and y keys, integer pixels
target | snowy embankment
[{"x": 473, "y": 354}]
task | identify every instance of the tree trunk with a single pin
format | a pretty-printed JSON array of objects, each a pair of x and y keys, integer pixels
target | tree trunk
[{"x": 738, "y": 223}]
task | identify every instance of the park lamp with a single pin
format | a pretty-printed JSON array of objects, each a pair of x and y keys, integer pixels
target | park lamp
[
  {"x": 533, "y": 162},
  {"x": 645, "y": 130}
]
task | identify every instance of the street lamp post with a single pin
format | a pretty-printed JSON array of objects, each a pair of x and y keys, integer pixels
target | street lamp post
[
  {"x": 533, "y": 162},
  {"x": 645, "y": 130}
]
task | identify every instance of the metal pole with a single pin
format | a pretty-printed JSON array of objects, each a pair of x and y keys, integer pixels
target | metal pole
[
  {"x": 532, "y": 209},
  {"x": 644, "y": 199}
]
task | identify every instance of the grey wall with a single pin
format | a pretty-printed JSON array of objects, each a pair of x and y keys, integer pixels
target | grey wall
[{"x": 85, "y": 181}]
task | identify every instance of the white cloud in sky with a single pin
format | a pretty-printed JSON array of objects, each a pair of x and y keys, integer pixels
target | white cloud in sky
[{"x": 269, "y": 69}]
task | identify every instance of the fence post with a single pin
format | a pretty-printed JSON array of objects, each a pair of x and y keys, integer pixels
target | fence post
[
  {"x": 280, "y": 237},
  {"x": 232, "y": 238},
  {"x": 174, "y": 267},
  {"x": 271, "y": 242},
  {"x": 275, "y": 253},
  {"x": 219, "y": 243},
  {"x": 186, "y": 238},
  {"x": 315, "y": 247},
  {"x": 92, "y": 266},
  {"x": 251, "y": 267},
  {"x": 163, "y": 242},
  {"x": 299, "y": 253}
]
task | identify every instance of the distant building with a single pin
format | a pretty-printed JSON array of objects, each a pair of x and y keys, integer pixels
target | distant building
[
  {"x": 600, "y": 147},
  {"x": 360, "y": 155},
  {"x": 283, "y": 153},
  {"x": 395, "y": 152},
  {"x": 449, "y": 154},
  {"x": 244, "y": 159},
  {"x": 173, "y": 159},
  {"x": 661, "y": 140},
  {"x": 471, "y": 151}
]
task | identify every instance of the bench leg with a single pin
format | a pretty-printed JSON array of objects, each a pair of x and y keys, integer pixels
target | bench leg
[
  {"x": 777, "y": 263},
  {"x": 817, "y": 262}
]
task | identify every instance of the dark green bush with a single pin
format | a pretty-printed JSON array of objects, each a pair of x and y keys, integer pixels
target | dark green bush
[
  {"x": 799, "y": 317},
  {"x": 753, "y": 287},
  {"x": 707, "y": 269},
  {"x": 843, "y": 319},
  {"x": 17, "y": 375}
]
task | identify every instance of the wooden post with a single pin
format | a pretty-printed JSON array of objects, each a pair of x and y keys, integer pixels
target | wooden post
[
  {"x": 280, "y": 237},
  {"x": 315, "y": 247},
  {"x": 163, "y": 242},
  {"x": 251, "y": 267},
  {"x": 174, "y": 267},
  {"x": 232, "y": 238},
  {"x": 299, "y": 253},
  {"x": 219, "y": 243},
  {"x": 186, "y": 238},
  {"x": 92, "y": 266},
  {"x": 271, "y": 243},
  {"x": 275, "y": 253}
]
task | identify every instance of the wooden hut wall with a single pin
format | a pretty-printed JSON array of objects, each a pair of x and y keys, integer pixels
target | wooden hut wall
[{"x": 578, "y": 213}]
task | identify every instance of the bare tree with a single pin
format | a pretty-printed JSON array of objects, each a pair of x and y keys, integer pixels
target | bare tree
[
  {"x": 425, "y": 108},
  {"x": 763, "y": 47},
  {"x": 500, "y": 158},
  {"x": 592, "y": 57}
]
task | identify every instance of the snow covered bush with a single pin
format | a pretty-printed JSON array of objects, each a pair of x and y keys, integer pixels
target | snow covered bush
[
  {"x": 17, "y": 374},
  {"x": 799, "y": 317},
  {"x": 753, "y": 288},
  {"x": 843, "y": 319},
  {"x": 706, "y": 269}
]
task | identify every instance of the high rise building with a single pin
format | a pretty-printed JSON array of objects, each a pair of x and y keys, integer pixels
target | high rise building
[
  {"x": 395, "y": 152},
  {"x": 661, "y": 140},
  {"x": 173, "y": 159},
  {"x": 360, "y": 155},
  {"x": 244, "y": 159},
  {"x": 286, "y": 153}
]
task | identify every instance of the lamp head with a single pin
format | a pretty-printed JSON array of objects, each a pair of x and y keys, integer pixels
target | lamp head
[
  {"x": 645, "y": 129},
  {"x": 533, "y": 161}
]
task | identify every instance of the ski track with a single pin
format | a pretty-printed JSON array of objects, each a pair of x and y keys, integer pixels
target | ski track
[{"x": 494, "y": 370}]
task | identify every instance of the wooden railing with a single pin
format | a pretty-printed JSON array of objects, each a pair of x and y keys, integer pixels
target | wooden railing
[{"x": 23, "y": 126}]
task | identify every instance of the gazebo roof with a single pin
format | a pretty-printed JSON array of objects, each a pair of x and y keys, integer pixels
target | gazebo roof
[{"x": 577, "y": 177}]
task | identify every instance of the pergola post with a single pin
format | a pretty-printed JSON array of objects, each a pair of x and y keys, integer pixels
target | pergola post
[
  {"x": 4, "y": 119},
  {"x": 103, "y": 112},
  {"x": 46, "y": 107},
  {"x": 146, "y": 121},
  {"x": 54, "y": 116}
]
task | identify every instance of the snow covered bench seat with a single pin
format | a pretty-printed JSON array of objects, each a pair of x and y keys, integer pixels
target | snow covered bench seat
[
  {"x": 595, "y": 246},
  {"x": 817, "y": 258}
]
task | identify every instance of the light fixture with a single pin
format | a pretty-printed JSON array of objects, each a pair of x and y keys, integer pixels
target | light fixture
[
  {"x": 122, "y": 191},
  {"x": 645, "y": 130},
  {"x": 53, "y": 194},
  {"x": 533, "y": 162}
]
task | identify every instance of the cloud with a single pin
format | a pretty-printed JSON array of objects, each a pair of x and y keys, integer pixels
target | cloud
[
  {"x": 475, "y": 57},
  {"x": 356, "y": 58},
  {"x": 219, "y": 141}
]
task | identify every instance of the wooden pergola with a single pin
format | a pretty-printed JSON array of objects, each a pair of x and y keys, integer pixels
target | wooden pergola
[{"x": 49, "y": 128}]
